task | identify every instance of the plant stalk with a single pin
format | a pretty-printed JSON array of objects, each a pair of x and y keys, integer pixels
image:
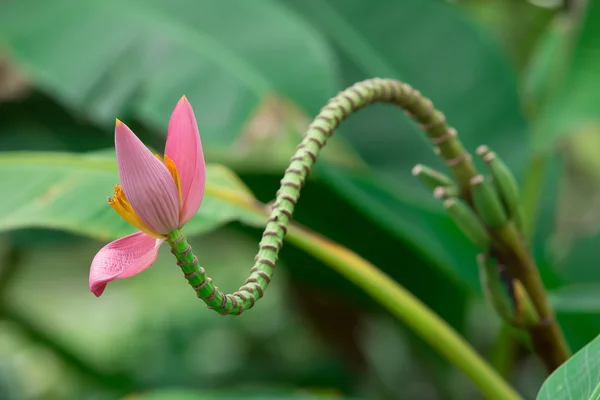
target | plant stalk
[
  {"x": 547, "y": 338},
  {"x": 406, "y": 307},
  {"x": 388, "y": 293}
]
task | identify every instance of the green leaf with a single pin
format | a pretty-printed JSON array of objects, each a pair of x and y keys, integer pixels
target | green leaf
[
  {"x": 578, "y": 378},
  {"x": 137, "y": 58},
  {"x": 41, "y": 124},
  {"x": 576, "y": 102},
  {"x": 68, "y": 192}
]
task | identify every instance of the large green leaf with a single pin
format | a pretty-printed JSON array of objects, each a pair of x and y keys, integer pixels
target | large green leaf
[
  {"x": 110, "y": 58},
  {"x": 68, "y": 192},
  {"x": 577, "y": 379}
]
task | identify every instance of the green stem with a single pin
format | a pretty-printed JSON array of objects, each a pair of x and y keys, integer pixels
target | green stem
[
  {"x": 510, "y": 247},
  {"x": 547, "y": 338},
  {"x": 504, "y": 351},
  {"x": 401, "y": 303},
  {"x": 404, "y": 305},
  {"x": 396, "y": 299},
  {"x": 358, "y": 96},
  {"x": 222, "y": 303}
]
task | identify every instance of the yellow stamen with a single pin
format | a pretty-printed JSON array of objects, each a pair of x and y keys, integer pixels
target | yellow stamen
[
  {"x": 175, "y": 174},
  {"x": 159, "y": 157},
  {"x": 122, "y": 206}
]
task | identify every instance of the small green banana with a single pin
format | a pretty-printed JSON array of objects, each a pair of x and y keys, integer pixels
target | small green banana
[
  {"x": 431, "y": 178},
  {"x": 487, "y": 203},
  {"x": 525, "y": 314},
  {"x": 445, "y": 192},
  {"x": 468, "y": 222},
  {"x": 504, "y": 182}
]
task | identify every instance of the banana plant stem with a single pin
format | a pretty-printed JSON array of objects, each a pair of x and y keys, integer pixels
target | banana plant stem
[
  {"x": 406, "y": 307},
  {"x": 393, "y": 297}
]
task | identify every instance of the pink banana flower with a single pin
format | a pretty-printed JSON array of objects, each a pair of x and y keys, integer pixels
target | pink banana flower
[{"x": 155, "y": 197}]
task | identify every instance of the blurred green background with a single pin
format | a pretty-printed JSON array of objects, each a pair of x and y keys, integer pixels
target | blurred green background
[{"x": 521, "y": 77}]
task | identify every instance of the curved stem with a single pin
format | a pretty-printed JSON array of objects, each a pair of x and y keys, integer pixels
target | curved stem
[
  {"x": 504, "y": 350},
  {"x": 392, "y": 296},
  {"x": 547, "y": 338},
  {"x": 445, "y": 141},
  {"x": 339, "y": 108},
  {"x": 406, "y": 307}
]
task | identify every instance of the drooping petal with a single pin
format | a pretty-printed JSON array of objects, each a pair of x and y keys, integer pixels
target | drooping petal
[
  {"x": 184, "y": 147},
  {"x": 122, "y": 258},
  {"x": 146, "y": 181}
]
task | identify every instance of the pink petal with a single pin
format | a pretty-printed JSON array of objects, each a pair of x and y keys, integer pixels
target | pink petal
[
  {"x": 122, "y": 258},
  {"x": 185, "y": 149},
  {"x": 147, "y": 182}
]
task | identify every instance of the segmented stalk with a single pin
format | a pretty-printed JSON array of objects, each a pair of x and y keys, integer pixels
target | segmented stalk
[{"x": 356, "y": 97}]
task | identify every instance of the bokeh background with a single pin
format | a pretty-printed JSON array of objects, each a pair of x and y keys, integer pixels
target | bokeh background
[{"x": 521, "y": 77}]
